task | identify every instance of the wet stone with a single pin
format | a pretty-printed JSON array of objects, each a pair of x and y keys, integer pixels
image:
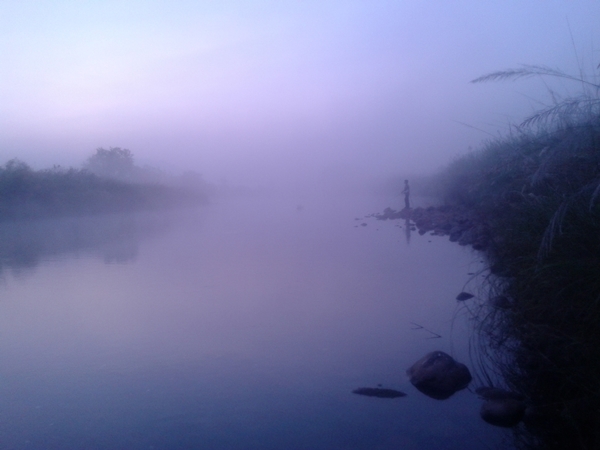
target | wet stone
[
  {"x": 464, "y": 296},
  {"x": 379, "y": 392},
  {"x": 438, "y": 375},
  {"x": 503, "y": 412}
]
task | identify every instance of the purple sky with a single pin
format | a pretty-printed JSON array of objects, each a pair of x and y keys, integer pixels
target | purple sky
[{"x": 265, "y": 91}]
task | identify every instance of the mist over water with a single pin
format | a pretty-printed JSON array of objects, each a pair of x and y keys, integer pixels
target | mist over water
[
  {"x": 246, "y": 323},
  {"x": 267, "y": 93},
  {"x": 243, "y": 324}
]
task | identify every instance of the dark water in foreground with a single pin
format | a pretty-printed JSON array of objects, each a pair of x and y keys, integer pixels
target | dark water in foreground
[{"x": 242, "y": 325}]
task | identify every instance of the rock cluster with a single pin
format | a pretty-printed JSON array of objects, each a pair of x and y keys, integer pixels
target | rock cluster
[
  {"x": 459, "y": 224},
  {"x": 437, "y": 374}
]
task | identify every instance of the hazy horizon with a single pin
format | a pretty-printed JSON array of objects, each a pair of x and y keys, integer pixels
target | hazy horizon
[{"x": 267, "y": 92}]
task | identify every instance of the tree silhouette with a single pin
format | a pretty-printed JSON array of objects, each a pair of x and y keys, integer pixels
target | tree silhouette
[{"x": 114, "y": 163}]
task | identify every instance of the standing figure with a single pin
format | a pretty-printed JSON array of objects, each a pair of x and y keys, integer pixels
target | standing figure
[{"x": 406, "y": 192}]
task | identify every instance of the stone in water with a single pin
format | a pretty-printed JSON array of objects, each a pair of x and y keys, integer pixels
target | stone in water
[
  {"x": 379, "y": 392},
  {"x": 438, "y": 375}
]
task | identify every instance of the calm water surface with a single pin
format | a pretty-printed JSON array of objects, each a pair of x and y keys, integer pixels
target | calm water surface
[{"x": 242, "y": 325}]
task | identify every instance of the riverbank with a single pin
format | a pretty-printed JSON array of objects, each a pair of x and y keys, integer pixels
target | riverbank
[{"x": 531, "y": 204}]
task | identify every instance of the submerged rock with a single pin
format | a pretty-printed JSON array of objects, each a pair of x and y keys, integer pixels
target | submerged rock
[
  {"x": 503, "y": 412},
  {"x": 501, "y": 408},
  {"x": 379, "y": 392},
  {"x": 464, "y": 296},
  {"x": 438, "y": 375}
]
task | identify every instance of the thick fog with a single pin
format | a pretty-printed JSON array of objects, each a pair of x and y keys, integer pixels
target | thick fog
[
  {"x": 265, "y": 92},
  {"x": 251, "y": 321}
]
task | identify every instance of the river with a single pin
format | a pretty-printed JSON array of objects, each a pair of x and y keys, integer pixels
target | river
[{"x": 244, "y": 324}]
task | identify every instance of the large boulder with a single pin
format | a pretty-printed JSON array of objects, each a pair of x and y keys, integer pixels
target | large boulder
[{"x": 438, "y": 375}]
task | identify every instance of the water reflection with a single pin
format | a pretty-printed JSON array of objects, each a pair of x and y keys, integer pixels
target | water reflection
[
  {"x": 246, "y": 326},
  {"x": 115, "y": 238}
]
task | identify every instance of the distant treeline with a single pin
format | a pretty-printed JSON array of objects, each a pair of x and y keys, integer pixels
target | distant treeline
[
  {"x": 537, "y": 193},
  {"x": 26, "y": 193}
]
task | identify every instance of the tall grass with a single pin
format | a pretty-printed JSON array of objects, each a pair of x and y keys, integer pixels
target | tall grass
[{"x": 537, "y": 192}]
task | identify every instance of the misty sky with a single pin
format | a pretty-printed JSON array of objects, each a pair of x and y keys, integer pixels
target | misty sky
[{"x": 264, "y": 91}]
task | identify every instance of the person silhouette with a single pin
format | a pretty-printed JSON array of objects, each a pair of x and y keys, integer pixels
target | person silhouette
[{"x": 406, "y": 192}]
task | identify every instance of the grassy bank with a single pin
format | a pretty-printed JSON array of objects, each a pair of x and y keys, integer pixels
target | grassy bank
[
  {"x": 536, "y": 197},
  {"x": 27, "y": 194}
]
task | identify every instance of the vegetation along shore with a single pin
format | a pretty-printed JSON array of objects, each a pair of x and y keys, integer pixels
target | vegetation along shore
[
  {"x": 108, "y": 182},
  {"x": 530, "y": 202}
]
